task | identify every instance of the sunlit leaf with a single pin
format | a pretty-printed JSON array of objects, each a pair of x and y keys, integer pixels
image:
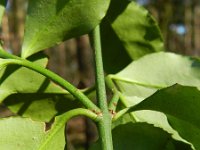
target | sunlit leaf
[
  {"x": 22, "y": 134},
  {"x": 50, "y": 22},
  {"x": 145, "y": 76},
  {"x": 181, "y": 104}
]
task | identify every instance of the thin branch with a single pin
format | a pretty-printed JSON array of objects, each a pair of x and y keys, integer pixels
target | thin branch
[{"x": 54, "y": 77}]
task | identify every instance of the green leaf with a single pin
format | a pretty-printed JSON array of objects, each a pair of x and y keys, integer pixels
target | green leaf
[
  {"x": 128, "y": 32},
  {"x": 181, "y": 104},
  {"x": 15, "y": 79},
  {"x": 50, "y": 22},
  {"x": 112, "y": 50},
  {"x": 2, "y": 8},
  {"x": 142, "y": 136},
  {"x": 41, "y": 107},
  {"x": 22, "y": 134},
  {"x": 55, "y": 137},
  {"x": 145, "y": 76},
  {"x": 126, "y": 118},
  {"x": 31, "y": 94},
  {"x": 18, "y": 133}
]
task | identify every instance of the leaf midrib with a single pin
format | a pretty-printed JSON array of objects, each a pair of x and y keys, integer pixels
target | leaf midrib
[
  {"x": 138, "y": 83},
  {"x": 52, "y": 132}
]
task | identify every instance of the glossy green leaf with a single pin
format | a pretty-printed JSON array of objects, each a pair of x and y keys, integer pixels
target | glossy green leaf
[
  {"x": 50, "y": 22},
  {"x": 128, "y": 32},
  {"x": 142, "y": 136},
  {"x": 22, "y": 134},
  {"x": 182, "y": 106},
  {"x": 145, "y": 76},
  {"x": 158, "y": 119}
]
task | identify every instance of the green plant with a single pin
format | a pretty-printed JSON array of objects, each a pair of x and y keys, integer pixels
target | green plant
[{"x": 156, "y": 98}]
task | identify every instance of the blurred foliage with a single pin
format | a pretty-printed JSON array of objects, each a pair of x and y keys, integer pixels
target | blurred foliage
[{"x": 179, "y": 22}]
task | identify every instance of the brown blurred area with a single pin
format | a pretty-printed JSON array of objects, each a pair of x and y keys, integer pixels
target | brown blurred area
[{"x": 179, "y": 22}]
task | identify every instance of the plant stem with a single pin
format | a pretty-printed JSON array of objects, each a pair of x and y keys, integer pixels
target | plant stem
[
  {"x": 61, "y": 120},
  {"x": 105, "y": 124},
  {"x": 113, "y": 102},
  {"x": 54, "y": 77},
  {"x": 120, "y": 114}
]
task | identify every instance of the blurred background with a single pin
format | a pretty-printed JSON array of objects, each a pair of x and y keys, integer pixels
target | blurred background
[{"x": 179, "y": 21}]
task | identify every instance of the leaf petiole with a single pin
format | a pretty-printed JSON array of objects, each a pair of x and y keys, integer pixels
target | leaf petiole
[{"x": 11, "y": 59}]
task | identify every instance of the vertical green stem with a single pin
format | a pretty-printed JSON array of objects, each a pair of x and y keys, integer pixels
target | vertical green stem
[{"x": 105, "y": 123}]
